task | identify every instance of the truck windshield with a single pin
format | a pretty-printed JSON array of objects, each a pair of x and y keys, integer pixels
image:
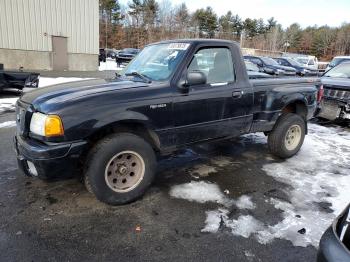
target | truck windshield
[{"x": 156, "y": 62}]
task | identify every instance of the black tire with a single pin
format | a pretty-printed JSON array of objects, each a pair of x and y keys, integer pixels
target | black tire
[
  {"x": 277, "y": 137},
  {"x": 101, "y": 155},
  {"x": 87, "y": 184}
]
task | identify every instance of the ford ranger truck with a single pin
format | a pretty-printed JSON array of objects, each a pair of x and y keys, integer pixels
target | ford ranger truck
[{"x": 172, "y": 95}]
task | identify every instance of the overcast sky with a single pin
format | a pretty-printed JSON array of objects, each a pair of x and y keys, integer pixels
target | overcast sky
[{"x": 286, "y": 12}]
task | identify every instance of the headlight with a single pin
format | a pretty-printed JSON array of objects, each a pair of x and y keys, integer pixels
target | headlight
[{"x": 46, "y": 125}]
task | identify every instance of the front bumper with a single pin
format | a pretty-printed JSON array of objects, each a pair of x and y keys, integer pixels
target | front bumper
[{"x": 50, "y": 161}]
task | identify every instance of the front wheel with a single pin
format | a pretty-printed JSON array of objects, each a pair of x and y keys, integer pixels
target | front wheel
[
  {"x": 287, "y": 136},
  {"x": 120, "y": 168}
]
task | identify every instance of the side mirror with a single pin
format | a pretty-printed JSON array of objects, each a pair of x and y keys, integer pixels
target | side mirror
[
  {"x": 193, "y": 78},
  {"x": 196, "y": 78}
]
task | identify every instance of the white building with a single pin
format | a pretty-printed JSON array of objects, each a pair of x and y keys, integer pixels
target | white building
[{"x": 49, "y": 34}]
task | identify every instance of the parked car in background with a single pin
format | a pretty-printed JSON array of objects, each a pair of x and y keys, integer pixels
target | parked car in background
[
  {"x": 126, "y": 55},
  {"x": 111, "y": 53},
  {"x": 310, "y": 61},
  {"x": 335, "y": 242},
  {"x": 270, "y": 66},
  {"x": 120, "y": 126},
  {"x": 322, "y": 66},
  {"x": 336, "y": 85},
  {"x": 102, "y": 55},
  {"x": 254, "y": 72},
  {"x": 18, "y": 79},
  {"x": 337, "y": 60},
  {"x": 301, "y": 70}
]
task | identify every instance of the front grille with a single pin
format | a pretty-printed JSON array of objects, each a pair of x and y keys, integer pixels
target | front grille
[{"x": 337, "y": 94}]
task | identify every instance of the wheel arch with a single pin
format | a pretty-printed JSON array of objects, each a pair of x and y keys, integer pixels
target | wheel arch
[
  {"x": 134, "y": 126},
  {"x": 298, "y": 107}
]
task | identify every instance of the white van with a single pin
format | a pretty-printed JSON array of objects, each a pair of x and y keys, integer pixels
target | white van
[{"x": 310, "y": 61}]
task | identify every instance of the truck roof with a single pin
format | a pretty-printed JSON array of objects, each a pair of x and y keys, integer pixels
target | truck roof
[{"x": 197, "y": 40}]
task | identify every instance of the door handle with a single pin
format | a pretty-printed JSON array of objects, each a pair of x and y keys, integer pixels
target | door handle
[{"x": 237, "y": 94}]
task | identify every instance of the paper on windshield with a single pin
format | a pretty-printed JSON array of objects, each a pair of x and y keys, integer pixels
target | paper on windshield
[{"x": 179, "y": 46}]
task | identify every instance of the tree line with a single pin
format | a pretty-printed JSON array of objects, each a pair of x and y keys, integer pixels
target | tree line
[{"x": 144, "y": 21}]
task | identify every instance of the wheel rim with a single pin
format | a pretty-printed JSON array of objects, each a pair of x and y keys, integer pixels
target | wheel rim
[
  {"x": 293, "y": 137},
  {"x": 124, "y": 171}
]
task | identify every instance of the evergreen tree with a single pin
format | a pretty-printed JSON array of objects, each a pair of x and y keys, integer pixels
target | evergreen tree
[
  {"x": 271, "y": 23},
  {"x": 207, "y": 22},
  {"x": 293, "y": 36},
  {"x": 250, "y": 27},
  {"x": 226, "y": 23}
]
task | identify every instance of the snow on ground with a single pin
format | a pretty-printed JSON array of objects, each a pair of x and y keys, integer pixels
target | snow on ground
[
  {"x": 7, "y": 104},
  {"x": 48, "y": 81},
  {"x": 257, "y": 138},
  {"x": 110, "y": 65},
  {"x": 200, "y": 192},
  {"x": 318, "y": 174},
  {"x": 8, "y": 124},
  {"x": 245, "y": 202}
]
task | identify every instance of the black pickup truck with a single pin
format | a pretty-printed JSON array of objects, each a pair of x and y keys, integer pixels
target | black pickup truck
[
  {"x": 18, "y": 79},
  {"x": 173, "y": 94}
]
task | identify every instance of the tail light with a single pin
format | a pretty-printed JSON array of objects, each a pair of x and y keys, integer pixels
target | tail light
[{"x": 320, "y": 93}]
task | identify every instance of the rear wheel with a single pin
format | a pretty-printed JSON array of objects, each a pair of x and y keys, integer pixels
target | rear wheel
[
  {"x": 120, "y": 168},
  {"x": 287, "y": 136}
]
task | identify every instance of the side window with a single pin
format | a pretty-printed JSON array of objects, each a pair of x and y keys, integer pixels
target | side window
[
  {"x": 311, "y": 62},
  {"x": 215, "y": 63},
  {"x": 256, "y": 61},
  {"x": 284, "y": 63}
]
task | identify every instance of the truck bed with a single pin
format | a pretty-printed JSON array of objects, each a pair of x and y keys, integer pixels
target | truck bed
[{"x": 284, "y": 81}]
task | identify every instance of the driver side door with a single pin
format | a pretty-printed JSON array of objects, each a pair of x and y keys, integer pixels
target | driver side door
[{"x": 199, "y": 114}]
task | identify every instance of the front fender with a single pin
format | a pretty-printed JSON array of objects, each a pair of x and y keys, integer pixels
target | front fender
[
  {"x": 131, "y": 116},
  {"x": 89, "y": 124}
]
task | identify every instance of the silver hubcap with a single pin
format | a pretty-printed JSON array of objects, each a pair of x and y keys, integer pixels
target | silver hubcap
[
  {"x": 293, "y": 137},
  {"x": 124, "y": 171}
]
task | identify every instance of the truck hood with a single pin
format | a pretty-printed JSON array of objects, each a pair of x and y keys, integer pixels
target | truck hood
[
  {"x": 74, "y": 90},
  {"x": 336, "y": 83}
]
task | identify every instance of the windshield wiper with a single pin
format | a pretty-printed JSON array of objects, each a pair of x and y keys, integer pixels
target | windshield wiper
[{"x": 143, "y": 77}]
